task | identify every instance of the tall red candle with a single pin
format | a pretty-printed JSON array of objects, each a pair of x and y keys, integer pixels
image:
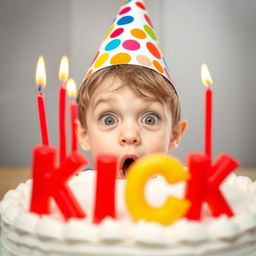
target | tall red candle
[
  {"x": 73, "y": 118},
  {"x": 41, "y": 82},
  {"x": 63, "y": 76},
  {"x": 42, "y": 119},
  {"x": 73, "y": 108},
  {"x": 62, "y": 123},
  {"x": 208, "y": 122},
  {"x": 207, "y": 81}
]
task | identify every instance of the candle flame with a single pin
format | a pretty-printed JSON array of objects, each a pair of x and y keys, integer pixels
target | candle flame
[
  {"x": 40, "y": 72},
  {"x": 71, "y": 87},
  {"x": 64, "y": 69},
  {"x": 205, "y": 75}
]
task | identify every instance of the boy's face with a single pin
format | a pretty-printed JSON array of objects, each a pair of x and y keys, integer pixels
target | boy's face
[{"x": 122, "y": 123}]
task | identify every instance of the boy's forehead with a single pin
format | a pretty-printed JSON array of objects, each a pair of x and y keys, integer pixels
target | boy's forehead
[
  {"x": 109, "y": 91},
  {"x": 114, "y": 96},
  {"x": 112, "y": 86}
]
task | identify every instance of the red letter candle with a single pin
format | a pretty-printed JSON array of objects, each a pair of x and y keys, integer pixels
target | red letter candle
[
  {"x": 140, "y": 172},
  {"x": 105, "y": 187},
  {"x": 204, "y": 185},
  {"x": 51, "y": 181},
  {"x": 198, "y": 165}
]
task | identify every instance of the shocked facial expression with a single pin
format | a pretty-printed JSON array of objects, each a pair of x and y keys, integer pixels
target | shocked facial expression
[{"x": 125, "y": 124}]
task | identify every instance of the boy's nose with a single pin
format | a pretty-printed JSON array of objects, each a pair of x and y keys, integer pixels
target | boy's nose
[{"x": 129, "y": 137}]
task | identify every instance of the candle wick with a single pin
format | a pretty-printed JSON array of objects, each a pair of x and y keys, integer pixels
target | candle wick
[{"x": 40, "y": 87}]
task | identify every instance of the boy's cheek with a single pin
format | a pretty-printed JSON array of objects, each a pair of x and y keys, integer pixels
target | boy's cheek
[
  {"x": 102, "y": 144},
  {"x": 157, "y": 144}
]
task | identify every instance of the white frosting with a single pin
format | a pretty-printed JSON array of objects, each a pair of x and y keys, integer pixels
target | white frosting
[
  {"x": 150, "y": 234},
  {"x": 77, "y": 230},
  {"x": 26, "y": 222},
  {"x": 49, "y": 228},
  {"x": 252, "y": 188},
  {"x": 243, "y": 182},
  {"x": 25, "y": 233},
  {"x": 111, "y": 230},
  {"x": 22, "y": 187},
  {"x": 246, "y": 221},
  {"x": 224, "y": 229},
  {"x": 252, "y": 208},
  {"x": 13, "y": 194},
  {"x": 231, "y": 178},
  {"x": 195, "y": 231},
  {"x": 10, "y": 213}
]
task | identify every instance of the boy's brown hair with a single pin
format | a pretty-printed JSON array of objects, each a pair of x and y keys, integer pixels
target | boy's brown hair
[{"x": 140, "y": 80}]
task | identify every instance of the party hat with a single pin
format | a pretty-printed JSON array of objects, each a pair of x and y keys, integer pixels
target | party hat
[{"x": 130, "y": 40}]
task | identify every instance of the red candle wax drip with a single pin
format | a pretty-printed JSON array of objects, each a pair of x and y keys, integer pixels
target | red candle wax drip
[
  {"x": 105, "y": 187},
  {"x": 42, "y": 118}
]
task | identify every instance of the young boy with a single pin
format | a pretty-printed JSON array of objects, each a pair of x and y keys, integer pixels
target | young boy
[
  {"x": 129, "y": 111},
  {"x": 127, "y": 104}
]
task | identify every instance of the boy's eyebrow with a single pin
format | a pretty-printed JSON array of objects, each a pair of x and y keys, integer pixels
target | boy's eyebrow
[
  {"x": 108, "y": 100},
  {"x": 103, "y": 100}
]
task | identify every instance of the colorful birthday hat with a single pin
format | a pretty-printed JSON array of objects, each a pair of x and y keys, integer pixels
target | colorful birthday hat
[{"x": 130, "y": 40}]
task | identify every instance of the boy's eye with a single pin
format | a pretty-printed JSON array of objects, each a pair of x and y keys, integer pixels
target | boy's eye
[
  {"x": 151, "y": 119},
  {"x": 108, "y": 119}
]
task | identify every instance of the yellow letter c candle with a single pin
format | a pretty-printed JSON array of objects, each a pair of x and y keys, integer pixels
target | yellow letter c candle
[{"x": 138, "y": 175}]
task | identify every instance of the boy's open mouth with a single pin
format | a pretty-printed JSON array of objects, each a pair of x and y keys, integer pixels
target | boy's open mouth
[{"x": 126, "y": 162}]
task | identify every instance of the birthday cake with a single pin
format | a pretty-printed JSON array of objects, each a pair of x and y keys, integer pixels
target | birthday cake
[
  {"x": 25, "y": 233},
  {"x": 178, "y": 213}
]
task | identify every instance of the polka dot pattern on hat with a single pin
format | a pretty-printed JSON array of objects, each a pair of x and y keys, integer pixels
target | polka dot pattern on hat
[
  {"x": 148, "y": 20},
  {"x": 125, "y": 20},
  {"x": 138, "y": 33},
  {"x": 101, "y": 60},
  {"x": 124, "y": 10},
  {"x": 150, "y": 32},
  {"x": 153, "y": 49},
  {"x": 109, "y": 31},
  {"x": 131, "y": 45},
  {"x": 141, "y": 5},
  {"x": 144, "y": 60},
  {"x": 131, "y": 39},
  {"x": 113, "y": 44},
  {"x": 120, "y": 58},
  {"x": 117, "y": 32}
]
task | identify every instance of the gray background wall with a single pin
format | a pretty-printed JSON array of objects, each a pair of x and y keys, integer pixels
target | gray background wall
[{"x": 221, "y": 33}]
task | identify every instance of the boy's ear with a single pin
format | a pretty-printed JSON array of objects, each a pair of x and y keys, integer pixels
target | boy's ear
[
  {"x": 177, "y": 134},
  {"x": 82, "y": 135}
]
